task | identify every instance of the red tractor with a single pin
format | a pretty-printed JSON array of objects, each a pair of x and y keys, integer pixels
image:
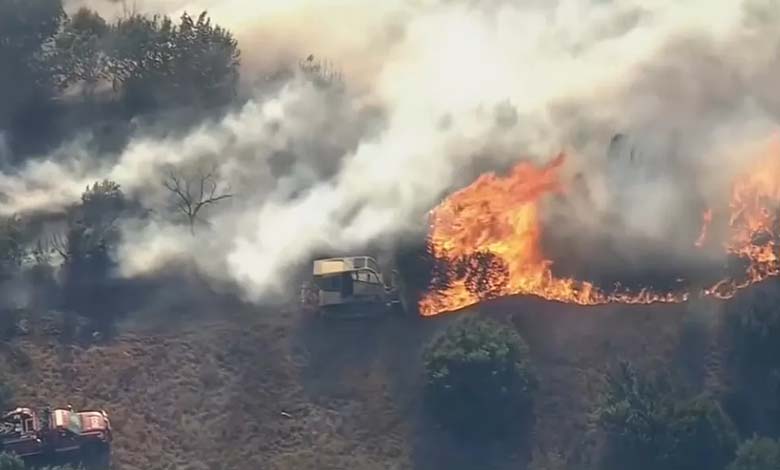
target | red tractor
[{"x": 28, "y": 433}]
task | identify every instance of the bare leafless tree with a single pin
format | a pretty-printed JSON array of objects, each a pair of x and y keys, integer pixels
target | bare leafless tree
[
  {"x": 192, "y": 194},
  {"x": 57, "y": 244}
]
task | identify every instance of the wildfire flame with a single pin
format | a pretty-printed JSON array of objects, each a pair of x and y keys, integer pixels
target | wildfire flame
[{"x": 486, "y": 238}]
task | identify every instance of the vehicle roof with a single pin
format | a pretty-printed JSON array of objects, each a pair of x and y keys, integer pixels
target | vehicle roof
[
  {"x": 340, "y": 265},
  {"x": 345, "y": 258},
  {"x": 18, "y": 410}
]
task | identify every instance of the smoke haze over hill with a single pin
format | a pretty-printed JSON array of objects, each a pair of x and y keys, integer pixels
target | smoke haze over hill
[{"x": 433, "y": 92}]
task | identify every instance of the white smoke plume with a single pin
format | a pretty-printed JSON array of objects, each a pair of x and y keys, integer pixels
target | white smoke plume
[{"x": 432, "y": 89}]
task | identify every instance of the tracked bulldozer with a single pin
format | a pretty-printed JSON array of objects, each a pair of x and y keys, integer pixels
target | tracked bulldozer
[{"x": 351, "y": 287}]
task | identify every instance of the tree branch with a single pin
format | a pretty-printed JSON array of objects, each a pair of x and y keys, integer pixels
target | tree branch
[
  {"x": 59, "y": 246},
  {"x": 208, "y": 193}
]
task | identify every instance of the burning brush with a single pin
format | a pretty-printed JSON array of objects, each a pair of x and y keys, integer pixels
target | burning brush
[{"x": 487, "y": 241}]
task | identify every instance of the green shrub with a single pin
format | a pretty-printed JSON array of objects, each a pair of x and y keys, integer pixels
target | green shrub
[
  {"x": 10, "y": 462},
  {"x": 633, "y": 413},
  {"x": 756, "y": 328},
  {"x": 757, "y": 454},
  {"x": 754, "y": 396},
  {"x": 479, "y": 378},
  {"x": 703, "y": 436},
  {"x": 647, "y": 429}
]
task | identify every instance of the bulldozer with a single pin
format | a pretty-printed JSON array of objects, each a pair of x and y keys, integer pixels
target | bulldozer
[{"x": 350, "y": 287}]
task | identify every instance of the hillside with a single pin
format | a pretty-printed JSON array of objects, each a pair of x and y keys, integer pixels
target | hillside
[{"x": 225, "y": 385}]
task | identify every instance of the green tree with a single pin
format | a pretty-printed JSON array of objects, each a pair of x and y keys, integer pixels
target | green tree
[
  {"x": 479, "y": 378},
  {"x": 26, "y": 31},
  {"x": 633, "y": 413},
  {"x": 758, "y": 453},
  {"x": 155, "y": 62},
  {"x": 81, "y": 51},
  {"x": 139, "y": 53},
  {"x": 206, "y": 61},
  {"x": 703, "y": 436},
  {"x": 102, "y": 203},
  {"x": 756, "y": 329},
  {"x": 92, "y": 231},
  {"x": 86, "y": 251},
  {"x": 647, "y": 429},
  {"x": 754, "y": 325}
]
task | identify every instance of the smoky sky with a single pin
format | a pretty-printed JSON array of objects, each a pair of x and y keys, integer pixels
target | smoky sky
[{"x": 434, "y": 92}]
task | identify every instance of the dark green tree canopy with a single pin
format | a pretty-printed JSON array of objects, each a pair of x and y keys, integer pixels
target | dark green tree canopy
[
  {"x": 87, "y": 22},
  {"x": 647, "y": 429},
  {"x": 756, "y": 328},
  {"x": 156, "y": 62},
  {"x": 27, "y": 28},
  {"x": 758, "y": 453},
  {"x": 632, "y": 412},
  {"x": 92, "y": 230},
  {"x": 86, "y": 250},
  {"x": 105, "y": 72},
  {"x": 702, "y": 435},
  {"x": 102, "y": 202},
  {"x": 80, "y": 50},
  {"x": 479, "y": 377}
]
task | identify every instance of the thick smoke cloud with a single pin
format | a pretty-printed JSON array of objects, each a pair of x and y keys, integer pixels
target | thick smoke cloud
[
  {"x": 433, "y": 91},
  {"x": 695, "y": 112}
]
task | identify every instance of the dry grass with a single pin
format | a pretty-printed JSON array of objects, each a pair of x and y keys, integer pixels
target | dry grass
[
  {"x": 211, "y": 395},
  {"x": 258, "y": 390}
]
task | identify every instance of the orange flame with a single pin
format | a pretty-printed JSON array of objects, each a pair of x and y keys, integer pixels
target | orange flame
[
  {"x": 489, "y": 237},
  {"x": 754, "y": 218}
]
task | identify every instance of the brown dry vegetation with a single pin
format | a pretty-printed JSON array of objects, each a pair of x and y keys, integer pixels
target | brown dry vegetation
[{"x": 259, "y": 388}]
